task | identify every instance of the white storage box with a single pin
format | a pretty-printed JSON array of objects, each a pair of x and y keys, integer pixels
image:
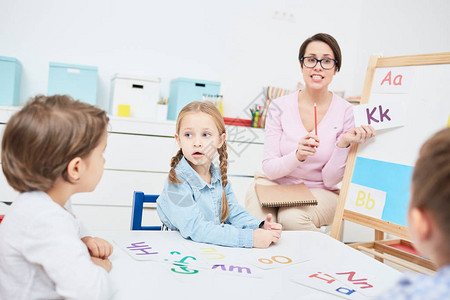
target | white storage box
[{"x": 141, "y": 93}]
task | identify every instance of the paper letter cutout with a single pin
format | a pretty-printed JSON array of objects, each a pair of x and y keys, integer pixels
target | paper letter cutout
[
  {"x": 365, "y": 200},
  {"x": 392, "y": 80},
  {"x": 380, "y": 115}
]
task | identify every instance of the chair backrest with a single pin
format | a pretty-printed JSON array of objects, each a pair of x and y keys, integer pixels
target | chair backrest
[{"x": 138, "y": 206}]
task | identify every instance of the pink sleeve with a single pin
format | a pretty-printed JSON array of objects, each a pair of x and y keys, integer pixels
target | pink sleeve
[
  {"x": 274, "y": 164},
  {"x": 333, "y": 171}
]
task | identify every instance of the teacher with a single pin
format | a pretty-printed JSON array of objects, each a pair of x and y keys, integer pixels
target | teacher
[{"x": 293, "y": 153}]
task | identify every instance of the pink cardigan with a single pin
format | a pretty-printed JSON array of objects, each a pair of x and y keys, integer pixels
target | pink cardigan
[{"x": 284, "y": 129}]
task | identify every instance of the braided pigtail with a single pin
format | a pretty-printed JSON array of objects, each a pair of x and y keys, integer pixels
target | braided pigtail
[
  {"x": 223, "y": 157},
  {"x": 173, "y": 163}
]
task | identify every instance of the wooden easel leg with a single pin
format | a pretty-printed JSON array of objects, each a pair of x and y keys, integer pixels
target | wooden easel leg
[{"x": 379, "y": 236}]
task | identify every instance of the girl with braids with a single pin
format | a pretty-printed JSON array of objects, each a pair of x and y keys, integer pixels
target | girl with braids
[{"x": 197, "y": 199}]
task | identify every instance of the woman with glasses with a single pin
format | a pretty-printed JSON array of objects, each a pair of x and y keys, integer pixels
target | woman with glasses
[{"x": 307, "y": 139}]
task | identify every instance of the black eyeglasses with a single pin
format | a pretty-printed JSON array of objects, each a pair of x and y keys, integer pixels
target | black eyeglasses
[{"x": 326, "y": 63}]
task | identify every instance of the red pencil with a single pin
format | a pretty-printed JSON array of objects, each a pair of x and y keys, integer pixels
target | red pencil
[{"x": 315, "y": 119}]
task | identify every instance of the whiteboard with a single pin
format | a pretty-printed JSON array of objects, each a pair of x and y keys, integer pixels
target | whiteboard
[
  {"x": 376, "y": 185},
  {"x": 386, "y": 162},
  {"x": 426, "y": 105}
]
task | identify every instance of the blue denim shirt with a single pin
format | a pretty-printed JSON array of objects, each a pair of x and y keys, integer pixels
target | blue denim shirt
[
  {"x": 194, "y": 208},
  {"x": 418, "y": 286}
]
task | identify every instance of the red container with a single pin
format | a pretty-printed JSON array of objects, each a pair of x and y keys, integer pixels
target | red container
[{"x": 237, "y": 122}]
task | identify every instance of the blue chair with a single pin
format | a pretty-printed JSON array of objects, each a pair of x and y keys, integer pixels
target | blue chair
[{"x": 136, "y": 214}]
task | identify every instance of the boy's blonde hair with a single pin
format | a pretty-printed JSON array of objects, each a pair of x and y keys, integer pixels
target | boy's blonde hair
[
  {"x": 210, "y": 109},
  {"x": 431, "y": 181},
  {"x": 44, "y": 136}
]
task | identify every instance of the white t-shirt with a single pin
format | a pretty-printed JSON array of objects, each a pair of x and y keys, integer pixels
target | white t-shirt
[{"x": 42, "y": 255}]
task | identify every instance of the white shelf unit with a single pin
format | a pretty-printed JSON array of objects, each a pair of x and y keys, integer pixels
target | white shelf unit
[{"x": 137, "y": 159}]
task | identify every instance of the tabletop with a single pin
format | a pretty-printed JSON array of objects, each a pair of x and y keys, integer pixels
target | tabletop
[{"x": 303, "y": 265}]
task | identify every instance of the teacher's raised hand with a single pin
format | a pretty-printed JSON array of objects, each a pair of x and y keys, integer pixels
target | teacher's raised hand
[
  {"x": 357, "y": 135},
  {"x": 307, "y": 146}
]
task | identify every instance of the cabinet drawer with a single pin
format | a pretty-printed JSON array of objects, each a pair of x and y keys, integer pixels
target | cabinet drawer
[
  {"x": 139, "y": 152},
  {"x": 135, "y": 126},
  {"x": 7, "y": 193},
  {"x": 244, "y": 159},
  {"x": 116, "y": 188},
  {"x": 105, "y": 218},
  {"x": 240, "y": 186},
  {"x": 2, "y": 129},
  {"x": 149, "y": 153},
  {"x": 99, "y": 218}
]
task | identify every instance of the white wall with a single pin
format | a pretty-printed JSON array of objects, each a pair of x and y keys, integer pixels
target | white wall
[{"x": 236, "y": 42}]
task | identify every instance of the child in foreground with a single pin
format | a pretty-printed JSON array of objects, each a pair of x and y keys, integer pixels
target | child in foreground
[
  {"x": 51, "y": 149},
  {"x": 429, "y": 221},
  {"x": 197, "y": 199}
]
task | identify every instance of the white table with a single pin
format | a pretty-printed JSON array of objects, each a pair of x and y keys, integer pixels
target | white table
[{"x": 153, "y": 280}]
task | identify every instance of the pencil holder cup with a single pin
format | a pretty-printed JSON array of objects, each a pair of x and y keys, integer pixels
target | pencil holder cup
[
  {"x": 254, "y": 121},
  {"x": 161, "y": 112}
]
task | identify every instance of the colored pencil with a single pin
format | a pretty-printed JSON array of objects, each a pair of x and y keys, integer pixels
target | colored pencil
[{"x": 315, "y": 119}]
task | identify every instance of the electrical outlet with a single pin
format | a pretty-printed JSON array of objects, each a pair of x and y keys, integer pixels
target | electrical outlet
[{"x": 283, "y": 16}]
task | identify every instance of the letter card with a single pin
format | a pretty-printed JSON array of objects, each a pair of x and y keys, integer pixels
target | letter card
[
  {"x": 380, "y": 115},
  {"x": 365, "y": 200}
]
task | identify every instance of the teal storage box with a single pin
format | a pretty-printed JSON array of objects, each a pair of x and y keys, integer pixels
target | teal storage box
[
  {"x": 185, "y": 90},
  {"x": 80, "y": 82},
  {"x": 10, "y": 72}
]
